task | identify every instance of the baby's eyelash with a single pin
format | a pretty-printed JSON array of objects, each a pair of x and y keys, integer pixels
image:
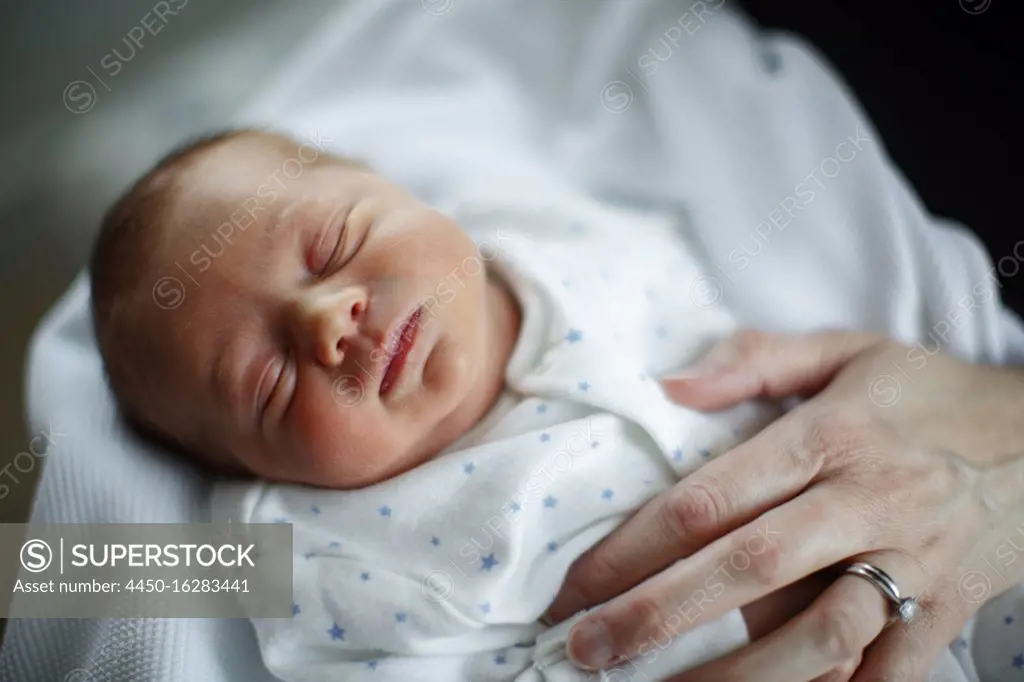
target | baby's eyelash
[
  {"x": 339, "y": 247},
  {"x": 273, "y": 389}
]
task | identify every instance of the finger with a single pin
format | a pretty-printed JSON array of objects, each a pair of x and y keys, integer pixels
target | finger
[
  {"x": 822, "y": 643},
  {"x": 721, "y": 496},
  {"x": 763, "y": 364},
  {"x": 766, "y": 615},
  {"x": 908, "y": 652},
  {"x": 782, "y": 546}
]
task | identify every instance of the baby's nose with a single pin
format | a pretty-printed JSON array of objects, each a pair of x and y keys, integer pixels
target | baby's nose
[{"x": 332, "y": 323}]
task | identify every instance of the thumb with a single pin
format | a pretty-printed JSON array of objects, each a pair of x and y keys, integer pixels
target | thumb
[{"x": 752, "y": 364}]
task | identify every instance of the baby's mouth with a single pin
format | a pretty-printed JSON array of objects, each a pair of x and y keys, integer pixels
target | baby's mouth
[{"x": 400, "y": 351}]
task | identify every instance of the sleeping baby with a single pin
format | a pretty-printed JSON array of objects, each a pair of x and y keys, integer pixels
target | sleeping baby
[{"x": 447, "y": 413}]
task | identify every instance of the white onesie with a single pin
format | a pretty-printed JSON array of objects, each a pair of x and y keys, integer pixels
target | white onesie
[{"x": 442, "y": 573}]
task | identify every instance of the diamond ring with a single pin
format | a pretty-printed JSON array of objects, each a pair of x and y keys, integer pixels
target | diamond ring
[{"x": 906, "y": 607}]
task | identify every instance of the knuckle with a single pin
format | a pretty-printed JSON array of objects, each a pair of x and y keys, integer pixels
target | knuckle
[
  {"x": 693, "y": 510},
  {"x": 839, "y": 635},
  {"x": 834, "y": 436},
  {"x": 642, "y": 619},
  {"x": 766, "y": 566},
  {"x": 804, "y": 461}
]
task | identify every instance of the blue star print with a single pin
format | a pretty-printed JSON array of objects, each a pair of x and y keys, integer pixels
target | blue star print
[
  {"x": 281, "y": 520},
  {"x": 607, "y": 493},
  {"x": 574, "y": 336},
  {"x": 545, "y": 437},
  {"x": 401, "y": 617},
  {"x": 385, "y": 511},
  {"x": 309, "y": 555},
  {"x": 552, "y": 546},
  {"x": 550, "y": 501},
  {"x": 335, "y": 545},
  {"x": 705, "y": 453},
  {"x": 296, "y": 610},
  {"x": 1018, "y": 661},
  {"x": 364, "y": 576},
  {"x": 499, "y": 659},
  {"x": 488, "y": 562},
  {"x": 469, "y": 468},
  {"x": 542, "y": 408},
  {"x": 677, "y": 455},
  {"x": 485, "y": 607},
  {"x": 584, "y": 386},
  {"x": 594, "y": 444},
  {"x": 372, "y": 665},
  {"x": 315, "y": 509},
  {"x": 336, "y": 633},
  {"x": 514, "y": 507},
  {"x": 435, "y": 541},
  {"x": 1008, "y": 620}
]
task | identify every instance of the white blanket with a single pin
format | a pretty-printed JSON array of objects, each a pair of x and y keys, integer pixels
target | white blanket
[{"x": 785, "y": 187}]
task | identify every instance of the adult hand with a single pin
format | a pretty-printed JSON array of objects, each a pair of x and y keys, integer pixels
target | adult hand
[{"x": 898, "y": 458}]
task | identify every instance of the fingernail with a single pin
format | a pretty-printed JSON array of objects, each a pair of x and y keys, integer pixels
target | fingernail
[{"x": 590, "y": 645}]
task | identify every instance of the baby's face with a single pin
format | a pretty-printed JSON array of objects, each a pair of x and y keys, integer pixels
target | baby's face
[{"x": 339, "y": 338}]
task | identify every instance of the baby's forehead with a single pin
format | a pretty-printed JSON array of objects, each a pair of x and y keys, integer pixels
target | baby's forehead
[
  {"x": 231, "y": 186},
  {"x": 236, "y": 163}
]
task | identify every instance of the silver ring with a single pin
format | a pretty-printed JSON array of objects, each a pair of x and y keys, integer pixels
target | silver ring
[{"x": 905, "y": 607}]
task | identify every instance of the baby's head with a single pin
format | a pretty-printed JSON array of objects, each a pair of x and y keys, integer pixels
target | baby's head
[{"x": 319, "y": 329}]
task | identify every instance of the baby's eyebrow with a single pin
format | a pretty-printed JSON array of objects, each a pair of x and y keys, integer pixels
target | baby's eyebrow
[{"x": 281, "y": 217}]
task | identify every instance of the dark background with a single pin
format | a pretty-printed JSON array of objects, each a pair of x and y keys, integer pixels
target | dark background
[{"x": 944, "y": 88}]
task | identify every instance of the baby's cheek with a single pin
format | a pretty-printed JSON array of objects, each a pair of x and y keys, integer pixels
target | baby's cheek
[{"x": 346, "y": 445}]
